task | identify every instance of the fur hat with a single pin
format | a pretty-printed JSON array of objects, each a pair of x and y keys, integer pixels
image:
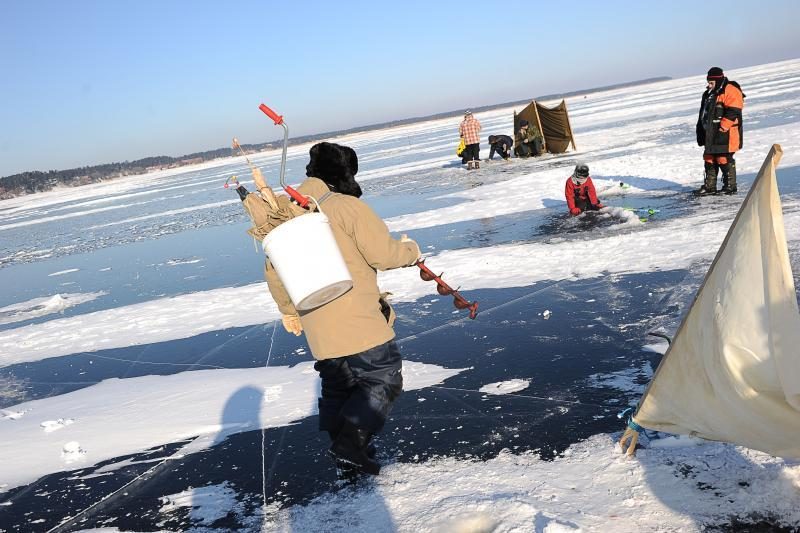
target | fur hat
[
  {"x": 336, "y": 165},
  {"x": 715, "y": 74}
]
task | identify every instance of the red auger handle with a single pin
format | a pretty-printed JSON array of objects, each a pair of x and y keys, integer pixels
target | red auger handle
[
  {"x": 272, "y": 114},
  {"x": 297, "y": 197}
]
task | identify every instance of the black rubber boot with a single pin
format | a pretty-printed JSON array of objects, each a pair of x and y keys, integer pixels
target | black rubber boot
[
  {"x": 371, "y": 450},
  {"x": 347, "y": 472},
  {"x": 350, "y": 448},
  {"x": 729, "y": 178},
  {"x": 710, "y": 183}
]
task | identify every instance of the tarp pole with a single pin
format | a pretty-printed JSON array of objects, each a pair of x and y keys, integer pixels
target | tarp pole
[
  {"x": 571, "y": 136},
  {"x": 539, "y": 123}
]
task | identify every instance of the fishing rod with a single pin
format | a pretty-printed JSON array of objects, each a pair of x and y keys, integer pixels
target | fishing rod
[
  {"x": 258, "y": 179},
  {"x": 237, "y": 146}
]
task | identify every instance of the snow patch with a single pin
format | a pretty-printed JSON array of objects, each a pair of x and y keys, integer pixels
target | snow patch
[
  {"x": 72, "y": 451},
  {"x": 505, "y": 387},
  {"x": 54, "y": 425},
  {"x": 176, "y": 262},
  {"x": 590, "y": 487},
  {"x": 125, "y": 416},
  {"x": 47, "y": 305},
  {"x": 630, "y": 380},
  {"x": 207, "y": 504},
  {"x": 62, "y": 272}
]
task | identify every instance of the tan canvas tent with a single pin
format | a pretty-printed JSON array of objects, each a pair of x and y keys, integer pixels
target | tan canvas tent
[
  {"x": 732, "y": 372},
  {"x": 553, "y": 122}
]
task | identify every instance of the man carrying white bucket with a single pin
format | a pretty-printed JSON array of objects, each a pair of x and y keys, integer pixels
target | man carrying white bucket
[{"x": 351, "y": 336}]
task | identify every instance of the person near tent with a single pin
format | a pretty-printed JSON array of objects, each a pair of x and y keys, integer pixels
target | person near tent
[
  {"x": 501, "y": 144},
  {"x": 719, "y": 130},
  {"x": 470, "y": 130},
  {"x": 351, "y": 337},
  {"x": 530, "y": 140},
  {"x": 580, "y": 192}
]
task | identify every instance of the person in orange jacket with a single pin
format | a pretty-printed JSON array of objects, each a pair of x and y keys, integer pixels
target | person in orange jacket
[
  {"x": 580, "y": 193},
  {"x": 719, "y": 130}
]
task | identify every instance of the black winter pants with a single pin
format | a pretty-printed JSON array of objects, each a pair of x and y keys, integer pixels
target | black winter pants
[
  {"x": 500, "y": 149},
  {"x": 525, "y": 149},
  {"x": 360, "y": 388},
  {"x": 471, "y": 153},
  {"x": 584, "y": 205}
]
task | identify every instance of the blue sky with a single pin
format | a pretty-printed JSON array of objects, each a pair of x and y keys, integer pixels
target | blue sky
[{"x": 88, "y": 82}]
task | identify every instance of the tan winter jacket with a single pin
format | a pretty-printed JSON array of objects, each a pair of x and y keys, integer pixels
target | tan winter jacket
[{"x": 353, "y": 322}]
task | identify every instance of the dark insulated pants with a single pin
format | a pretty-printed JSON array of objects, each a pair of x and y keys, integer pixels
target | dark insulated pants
[
  {"x": 360, "y": 388},
  {"x": 584, "y": 205},
  {"x": 499, "y": 149},
  {"x": 471, "y": 153},
  {"x": 529, "y": 149}
]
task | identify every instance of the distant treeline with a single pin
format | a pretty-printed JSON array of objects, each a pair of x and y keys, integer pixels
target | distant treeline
[{"x": 36, "y": 181}]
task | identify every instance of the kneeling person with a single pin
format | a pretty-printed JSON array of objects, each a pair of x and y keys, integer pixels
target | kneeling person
[
  {"x": 501, "y": 144},
  {"x": 580, "y": 192},
  {"x": 530, "y": 141}
]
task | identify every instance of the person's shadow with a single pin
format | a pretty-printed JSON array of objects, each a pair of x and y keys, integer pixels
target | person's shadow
[{"x": 242, "y": 412}]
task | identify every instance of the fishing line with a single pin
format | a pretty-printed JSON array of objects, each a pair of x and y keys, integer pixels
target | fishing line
[
  {"x": 263, "y": 430},
  {"x": 264, "y": 438},
  {"x": 71, "y": 519},
  {"x": 404, "y": 339},
  {"x": 540, "y": 398},
  {"x": 495, "y": 308},
  {"x": 483, "y": 312},
  {"x": 139, "y": 362},
  {"x": 195, "y": 365},
  {"x": 175, "y": 455}
]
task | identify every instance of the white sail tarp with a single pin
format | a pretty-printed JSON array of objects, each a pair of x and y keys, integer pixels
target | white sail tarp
[{"x": 732, "y": 372}]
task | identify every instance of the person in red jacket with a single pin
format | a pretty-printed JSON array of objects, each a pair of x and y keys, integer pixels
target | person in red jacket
[{"x": 580, "y": 192}]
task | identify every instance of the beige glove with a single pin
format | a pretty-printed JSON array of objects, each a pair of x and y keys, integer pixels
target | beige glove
[
  {"x": 291, "y": 323},
  {"x": 405, "y": 238}
]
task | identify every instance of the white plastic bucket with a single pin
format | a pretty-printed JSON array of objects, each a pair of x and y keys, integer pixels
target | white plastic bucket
[{"x": 306, "y": 257}]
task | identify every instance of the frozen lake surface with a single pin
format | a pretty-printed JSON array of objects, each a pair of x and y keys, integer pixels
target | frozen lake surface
[{"x": 135, "y": 327}]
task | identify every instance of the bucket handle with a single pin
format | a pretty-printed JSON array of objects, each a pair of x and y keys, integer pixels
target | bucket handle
[{"x": 319, "y": 208}]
